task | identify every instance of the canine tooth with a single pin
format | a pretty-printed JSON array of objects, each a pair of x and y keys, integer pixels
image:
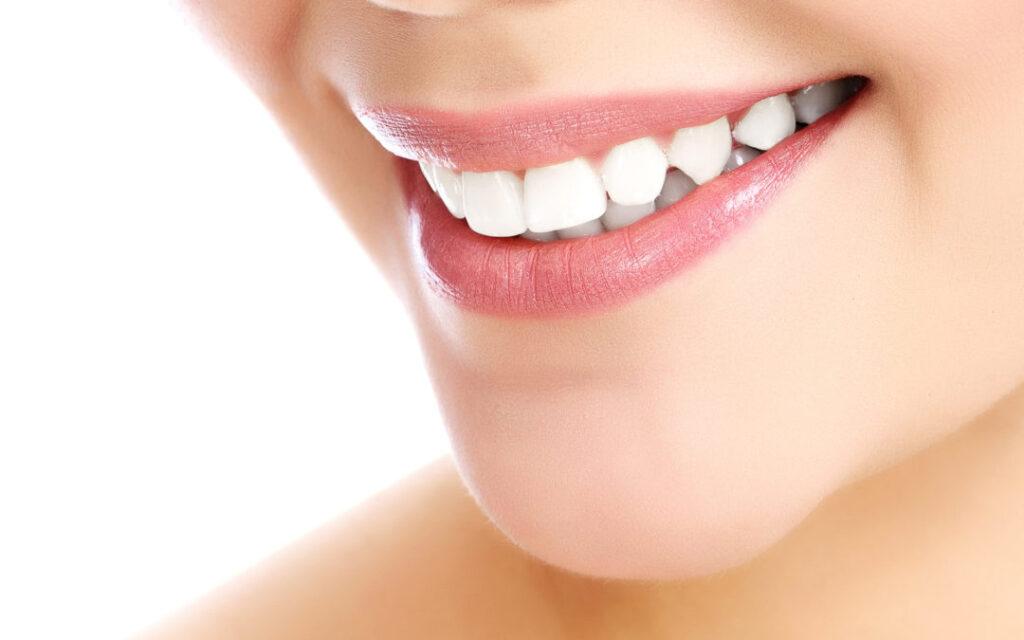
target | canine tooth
[
  {"x": 634, "y": 172},
  {"x": 428, "y": 173},
  {"x": 623, "y": 215},
  {"x": 677, "y": 186},
  {"x": 817, "y": 100},
  {"x": 547, "y": 236},
  {"x": 767, "y": 123},
  {"x": 700, "y": 152},
  {"x": 493, "y": 203},
  {"x": 740, "y": 156},
  {"x": 449, "y": 187},
  {"x": 563, "y": 195},
  {"x": 585, "y": 230}
]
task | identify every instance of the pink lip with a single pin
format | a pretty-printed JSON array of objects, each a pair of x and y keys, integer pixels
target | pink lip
[
  {"x": 517, "y": 277},
  {"x": 522, "y": 137}
]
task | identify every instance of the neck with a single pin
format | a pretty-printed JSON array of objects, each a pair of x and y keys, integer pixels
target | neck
[{"x": 933, "y": 547}]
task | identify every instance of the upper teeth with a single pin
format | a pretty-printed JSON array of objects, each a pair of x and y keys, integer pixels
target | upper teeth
[
  {"x": 701, "y": 152},
  {"x": 493, "y": 203},
  {"x": 563, "y": 195},
  {"x": 449, "y": 187},
  {"x": 767, "y": 123},
  {"x": 817, "y": 100},
  {"x": 581, "y": 198},
  {"x": 634, "y": 172}
]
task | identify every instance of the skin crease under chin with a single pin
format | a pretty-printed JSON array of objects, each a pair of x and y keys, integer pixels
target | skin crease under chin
[{"x": 876, "y": 308}]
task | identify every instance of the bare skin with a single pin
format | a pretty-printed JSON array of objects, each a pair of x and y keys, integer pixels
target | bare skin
[{"x": 927, "y": 549}]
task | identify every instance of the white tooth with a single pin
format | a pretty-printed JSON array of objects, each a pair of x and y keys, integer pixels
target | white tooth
[
  {"x": 817, "y": 100},
  {"x": 677, "y": 186},
  {"x": 547, "y": 236},
  {"x": 449, "y": 187},
  {"x": 493, "y": 203},
  {"x": 634, "y": 172},
  {"x": 585, "y": 230},
  {"x": 700, "y": 152},
  {"x": 428, "y": 173},
  {"x": 740, "y": 156},
  {"x": 563, "y": 195},
  {"x": 623, "y": 215},
  {"x": 767, "y": 123}
]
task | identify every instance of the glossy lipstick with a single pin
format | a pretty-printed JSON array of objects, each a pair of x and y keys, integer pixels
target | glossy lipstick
[{"x": 518, "y": 277}]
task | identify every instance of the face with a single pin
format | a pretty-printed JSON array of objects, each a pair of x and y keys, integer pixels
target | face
[{"x": 668, "y": 399}]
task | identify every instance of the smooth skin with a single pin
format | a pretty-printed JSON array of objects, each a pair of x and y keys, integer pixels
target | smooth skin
[{"x": 816, "y": 432}]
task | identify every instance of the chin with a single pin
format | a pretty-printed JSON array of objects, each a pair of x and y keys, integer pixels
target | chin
[{"x": 617, "y": 491}]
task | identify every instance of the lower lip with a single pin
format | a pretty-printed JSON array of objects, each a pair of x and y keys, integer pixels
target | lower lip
[{"x": 518, "y": 277}]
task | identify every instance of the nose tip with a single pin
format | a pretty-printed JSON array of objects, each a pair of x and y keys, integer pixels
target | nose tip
[{"x": 430, "y": 7}]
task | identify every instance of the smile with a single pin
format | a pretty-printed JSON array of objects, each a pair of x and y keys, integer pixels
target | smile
[{"x": 578, "y": 207}]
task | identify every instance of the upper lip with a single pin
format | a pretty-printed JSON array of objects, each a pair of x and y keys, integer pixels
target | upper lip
[{"x": 520, "y": 137}]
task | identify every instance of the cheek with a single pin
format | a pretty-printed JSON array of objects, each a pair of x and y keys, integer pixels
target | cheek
[{"x": 257, "y": 42}]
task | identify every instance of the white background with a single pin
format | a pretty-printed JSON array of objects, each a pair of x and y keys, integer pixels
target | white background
[{"x": 197, "y": 363}]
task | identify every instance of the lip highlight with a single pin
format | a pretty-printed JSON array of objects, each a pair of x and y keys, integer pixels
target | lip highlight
[{"x": 519, "y": 277}]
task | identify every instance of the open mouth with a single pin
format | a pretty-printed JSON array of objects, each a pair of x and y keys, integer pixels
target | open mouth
[{"x": 527, "y": 213}]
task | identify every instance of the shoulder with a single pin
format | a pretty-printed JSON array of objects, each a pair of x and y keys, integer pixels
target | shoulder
[{"x": 418, "y": 560}]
